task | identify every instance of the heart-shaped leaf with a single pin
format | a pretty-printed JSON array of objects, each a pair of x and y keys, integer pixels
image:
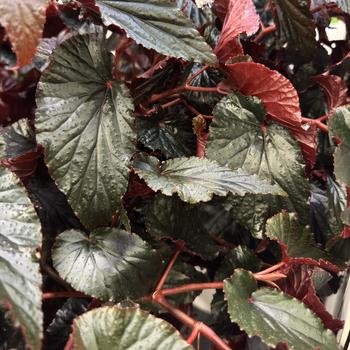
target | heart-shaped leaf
[
  {"x": 239, "y": 138},
  {"x": 110, "y": 264},
  {"x": 197, "y": 179},
  {"x": 123, "y": 329},
  {"x": 159, "y": 25},
  {"x": 20, "y": 236},
  {"x": 274, "y": 316},
  {"x": 84, "y": 121}
]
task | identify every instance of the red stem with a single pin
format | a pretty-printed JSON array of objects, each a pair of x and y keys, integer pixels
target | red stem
[
  {"x": 195, "y": 332},
  {"x": 270, "y": 269},
  {"x": 190, "y": 322},
  {"x": 191, "y": 287},
  {"x": 316, "y": 122},
  {"x": 179, "y": 246},
  {"x": 68, "y": 294},
  {"x": 195, "y": 75}
]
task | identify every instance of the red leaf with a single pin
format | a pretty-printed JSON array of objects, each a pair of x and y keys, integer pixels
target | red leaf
[
  {"x": 24, "y": 23},
  {"x": 241, "y": 17},
  {"x": 334, "y": 88},
  {"x": 220, "y": 7},
  {"x": 299, "y": 285},
  {"x": 279, "y": 97}
]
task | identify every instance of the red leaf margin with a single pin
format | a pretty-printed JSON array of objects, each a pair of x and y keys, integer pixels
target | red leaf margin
[{"x": 280, "y": 100}]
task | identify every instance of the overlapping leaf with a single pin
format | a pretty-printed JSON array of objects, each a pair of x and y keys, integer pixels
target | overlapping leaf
[
  {"x": 20, "y": 236},
  {"x": 110, "y": 264},
  {"x": 170, "y": 217},
  {"x": 299, "y": 284},
  {"x": 169, "y": 132},
  {"x": 334, "y": 88},
  {"x": 295, "y": 25},
  {"x": 296, "y": 241},
  {"x": 24, "y": 22},
  {"x": 339, "y": 126},
  {"x": 279, "y": 97},
  {"x": 158, "y": 25},
  {"x": 238, "y": 140},
  {"x": 241, "y": 17},
  {"x": 84, "y": 121},
  {"x": 124, "y": 329},
  {"x": 197, "y": 179},
  {"x": 274, "y": 316}
]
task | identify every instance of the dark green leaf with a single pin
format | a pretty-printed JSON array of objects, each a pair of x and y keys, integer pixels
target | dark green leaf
[
  {"x": 295, "y": 25},
  {"x": 339, "y": 126},
  {"x": 20, "y": 236},
  {"x": 125, "y": 329},
  {"x": 297, "y": 240},
  {"x": 170, "y": 217},
  {"x": 158, "y": 25},
  {"x": 197, "y": 179},
  {"x": 168, "y": 131},
  {"x": 110, "y": 264},
  {"x": 60, "y": 328},
  {"x": 252, "y": 211},
  {"x": 274, "y": 316},
  {"x": 240, "y": 257},
  {"x": 16, "y": 140},
  {"x": 238, "y": 139},
  {"x": 84, "y": 121}
]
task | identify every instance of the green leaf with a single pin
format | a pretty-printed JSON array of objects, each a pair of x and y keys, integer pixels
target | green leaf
[
  {"x": 20, "y": 237},
  {"x": 295, "y": 25},
  {"x": 339, "y": 126},
  {"x": 296, "y": 240},
  {"x": 239, "y": 139},
  {"x": 241, "y": 257},
  {"x": 84, "y": 121},
  {"x": 172, "y": 218},
  {"x": 16, "y": 140},
  {"x": 196, "y": 179},
  {"x": 252, "y": 211},
  {"x": 168, "y": 131},
  {"x": 124, "y": 329},
  {"x": 110, "y": 264},
  {"x": 158, "y": 25},
  {"x": 274, "y": 316}
]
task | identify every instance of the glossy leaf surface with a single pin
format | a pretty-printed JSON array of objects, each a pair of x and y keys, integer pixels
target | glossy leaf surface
[
  {"x": 274, "y": 316},
  {"x": 158, "y": 25},
  {"x": 20, "y": 237},
  {"x": 84, "y": 121},
  {"x": 110, "y": 264},
  {"x": 124, "y": 329}
]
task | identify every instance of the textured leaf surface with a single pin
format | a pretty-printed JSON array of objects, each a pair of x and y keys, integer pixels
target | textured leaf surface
[
  {"x": 279, "y": 97},
  {"x": 241, "y": 17},
  {"x": 252, "y": 211},
  {"x": 158, "y": 25},
  {"x": 84, "y": 121},
  {"x": 237, "y": 140},
  {"x": 197, "y": 179},
  {"x": 239, "y": 257},
  {"x": 20, "y": 236},
  {"x": 24, "y": 23},
  {"x": 125, "y": 329},
  {"x": 274, "y": 316},
  {"x": 169, "y": 132},
  {"x": 296, "y": 241},
  {"x": 295, "y": 25},
  {"x": 110, "y": 264},
  {"x": 339, "y": 126},
  {"x": 172, "y": 218},
  {"x": 299, "y": 284}
]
